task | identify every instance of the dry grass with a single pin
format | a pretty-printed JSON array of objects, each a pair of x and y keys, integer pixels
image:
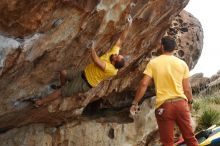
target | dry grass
[
  {"x": 208, "y": 118},
  {"x": 205, "y": 109}
]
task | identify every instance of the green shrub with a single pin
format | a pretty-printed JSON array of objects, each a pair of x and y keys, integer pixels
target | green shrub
[
  {"x": 213, "y": 99},
  {"x": 216, "y": 100},
  {"x": 208, "y": 118},
  {"x": 196, "y": 106}
]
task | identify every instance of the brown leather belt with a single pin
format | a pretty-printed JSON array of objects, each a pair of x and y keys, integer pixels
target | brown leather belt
[
  {"x": 83, "y": 75},
  {"x": 175, "y": 99}
]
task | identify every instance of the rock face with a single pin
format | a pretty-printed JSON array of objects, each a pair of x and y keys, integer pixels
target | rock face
[
  {"x": 198, "y": 82},
  {"x": 86, "y": 132},
  {"x": 205, "y": 86},
  {"x": 41, "y": 37},
  {"x": 188, "y": 33}
]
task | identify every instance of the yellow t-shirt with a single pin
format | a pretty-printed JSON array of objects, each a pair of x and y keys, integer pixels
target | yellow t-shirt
[
  {"x": 167, "y": 72},
  {"x": 95, "y": 75}
]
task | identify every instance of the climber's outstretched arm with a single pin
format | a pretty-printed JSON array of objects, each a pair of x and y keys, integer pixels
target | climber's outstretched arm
[
  {"x": 95, "y": 58},
  {"x": 124, "y": 33}
]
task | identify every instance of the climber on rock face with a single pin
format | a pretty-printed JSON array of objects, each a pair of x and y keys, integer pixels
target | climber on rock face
[{"x": 103, "y": 67}]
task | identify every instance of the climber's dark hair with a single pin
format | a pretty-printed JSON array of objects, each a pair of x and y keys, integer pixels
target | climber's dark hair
[
  {"x": 119, "y": 63},
  {"x": 169, "y": 44}
]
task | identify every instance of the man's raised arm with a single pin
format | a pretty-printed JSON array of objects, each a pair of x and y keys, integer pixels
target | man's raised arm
[
  {"x": 122, "y": 38},
  {"x": 124, "y": 33},
  {"x": 96, "y": 59}
]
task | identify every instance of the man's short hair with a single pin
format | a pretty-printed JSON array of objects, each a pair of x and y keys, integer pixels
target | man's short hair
[
  {"x": 119, "y": 63},
  {"x": 169, "y": 44}
]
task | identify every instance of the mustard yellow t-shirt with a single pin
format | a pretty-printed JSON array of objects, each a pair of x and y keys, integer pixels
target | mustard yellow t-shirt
[
  {"x": 95, "y": 75},
  {"x": 167, "y": 72}
]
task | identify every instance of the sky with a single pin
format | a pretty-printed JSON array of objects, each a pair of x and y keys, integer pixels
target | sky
[{"x": 208, "y": 13}]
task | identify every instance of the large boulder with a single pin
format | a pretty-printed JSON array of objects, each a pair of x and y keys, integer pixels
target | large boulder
[
  {"x": 41, "y": 37},
  {"x": 205, "y": 86},
  {"x": 198, "y": 83}
]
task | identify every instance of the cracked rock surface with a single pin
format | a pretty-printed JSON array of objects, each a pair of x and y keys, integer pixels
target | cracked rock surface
[{"x": 39, "y": 38}]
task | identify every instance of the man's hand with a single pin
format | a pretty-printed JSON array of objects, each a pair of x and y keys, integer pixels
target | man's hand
[
  {"x": 90, "y": 45},
  {"x": 190, "y": 102},
  {"x": 134, "y": 109},
  {"x": 101, "y": 64}
]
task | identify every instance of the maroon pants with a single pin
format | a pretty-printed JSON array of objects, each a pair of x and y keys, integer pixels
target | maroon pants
[{"x": 170, "y": 113}]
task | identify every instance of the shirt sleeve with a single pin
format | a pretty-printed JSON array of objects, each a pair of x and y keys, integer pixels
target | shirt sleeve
[
  {"x": 186, "y": 71},
  {"x": 148, "y": 70},
  {"x": 114, "y": 50},
  {"x": 110, "y": 69}
]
